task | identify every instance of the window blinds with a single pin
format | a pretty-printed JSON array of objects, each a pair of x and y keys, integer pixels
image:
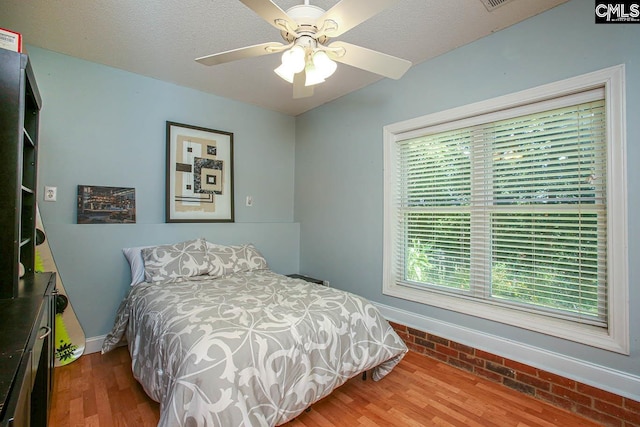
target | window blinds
[{"x": 510, "y": 209}]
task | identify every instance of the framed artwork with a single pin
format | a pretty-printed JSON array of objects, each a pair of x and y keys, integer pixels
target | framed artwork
[
  {"x": 199, "y": 183},
  {"x": 106, "y": 205}
]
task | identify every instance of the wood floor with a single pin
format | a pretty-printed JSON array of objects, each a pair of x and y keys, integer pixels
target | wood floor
[{"x": 99, "y": 390}]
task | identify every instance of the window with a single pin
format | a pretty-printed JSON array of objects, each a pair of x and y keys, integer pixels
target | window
[{"x": 514, "y": 210}]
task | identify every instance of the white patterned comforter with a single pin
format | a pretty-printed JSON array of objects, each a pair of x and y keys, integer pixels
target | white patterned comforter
[{"x": 250, "y": 349}]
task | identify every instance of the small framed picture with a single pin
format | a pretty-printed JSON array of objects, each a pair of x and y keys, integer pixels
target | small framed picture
[
  {"x": 106, "y": 205},
  {"x": 199, "y": 185}
]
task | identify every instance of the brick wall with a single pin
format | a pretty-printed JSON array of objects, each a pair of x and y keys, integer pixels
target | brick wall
[{"x": 601, "y": 406}]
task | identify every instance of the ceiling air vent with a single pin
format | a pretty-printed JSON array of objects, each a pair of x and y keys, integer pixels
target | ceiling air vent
[{"x": 491, "y": 5}]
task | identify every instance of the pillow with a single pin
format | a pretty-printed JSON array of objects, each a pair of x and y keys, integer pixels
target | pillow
[
  {"x": 225, "y": 260},
  {"x": 136, "y": 263},
  {"x": 173, "y": 263}
]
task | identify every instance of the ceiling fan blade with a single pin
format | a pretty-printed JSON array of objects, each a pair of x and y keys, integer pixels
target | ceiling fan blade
[
  {"x": 299, "y": 89},
  {"x": 369, "y": 60},
  {"x": 270, "y": 12},
  {"x": 241, "y": 53},
  {"x": 349, "y": 13}
]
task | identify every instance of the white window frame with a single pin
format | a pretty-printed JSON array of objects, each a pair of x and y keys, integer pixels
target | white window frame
[{"x": 616, "y": 336}]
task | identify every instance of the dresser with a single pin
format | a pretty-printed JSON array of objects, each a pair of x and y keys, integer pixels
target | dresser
[{"x": 27, "y": 352}]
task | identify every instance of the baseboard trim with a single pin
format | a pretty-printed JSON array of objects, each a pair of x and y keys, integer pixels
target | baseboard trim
[
  {"x": 620, "y": 383},
  {"x": 94, "y": 344}
]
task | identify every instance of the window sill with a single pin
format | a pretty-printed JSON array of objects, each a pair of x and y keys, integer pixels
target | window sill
[{"x": 565, "y": 329}]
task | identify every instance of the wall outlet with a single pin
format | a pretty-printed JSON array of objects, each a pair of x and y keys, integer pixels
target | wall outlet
[
  {"x": 50, "y": 194},
  {"x": 249, "y": 201}
]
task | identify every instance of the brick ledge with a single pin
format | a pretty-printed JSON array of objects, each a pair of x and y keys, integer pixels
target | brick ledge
[{"x": 599, "y": 405}]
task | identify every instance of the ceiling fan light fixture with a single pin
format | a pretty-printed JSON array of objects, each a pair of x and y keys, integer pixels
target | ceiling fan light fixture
[
  {"x": 293, "y": 62},
  {"x": 323, "y": 64},
  {"x": 313, "y": 75},
  {"x": 285, "y": 73}
]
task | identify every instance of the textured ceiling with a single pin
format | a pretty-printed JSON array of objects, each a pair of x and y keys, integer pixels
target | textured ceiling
[{"x": 161, "y": 39}]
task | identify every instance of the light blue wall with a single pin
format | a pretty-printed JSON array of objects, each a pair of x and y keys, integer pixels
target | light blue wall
[
  {"x": 339, "y": 156},
  {"x": 103, "y": 126}
]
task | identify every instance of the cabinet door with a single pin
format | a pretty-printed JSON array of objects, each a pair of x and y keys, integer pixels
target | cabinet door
[
  {"x": 41, "y": 363},
  {"x": 22, "y": 413}
]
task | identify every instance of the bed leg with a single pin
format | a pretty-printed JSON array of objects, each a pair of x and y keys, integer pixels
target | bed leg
[
  {"x": 308, "y": 409},
  {"x": 364, "y": 376}
]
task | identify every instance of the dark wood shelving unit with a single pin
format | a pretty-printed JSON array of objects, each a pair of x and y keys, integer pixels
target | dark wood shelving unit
[
  {"x": 20, "y": 104},
  {"x": 28, "y": 302}
]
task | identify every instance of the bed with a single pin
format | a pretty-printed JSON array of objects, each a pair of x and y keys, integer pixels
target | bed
[{"x": 227, "y": 342}]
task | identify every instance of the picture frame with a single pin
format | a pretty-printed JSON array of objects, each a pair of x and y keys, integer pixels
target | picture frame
[
  {"x": 99, "y": 204},
  {"x": 199, "y": 182}
]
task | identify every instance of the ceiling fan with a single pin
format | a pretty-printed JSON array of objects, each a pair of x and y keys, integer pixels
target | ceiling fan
[{"x": 308, "y": 57}]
